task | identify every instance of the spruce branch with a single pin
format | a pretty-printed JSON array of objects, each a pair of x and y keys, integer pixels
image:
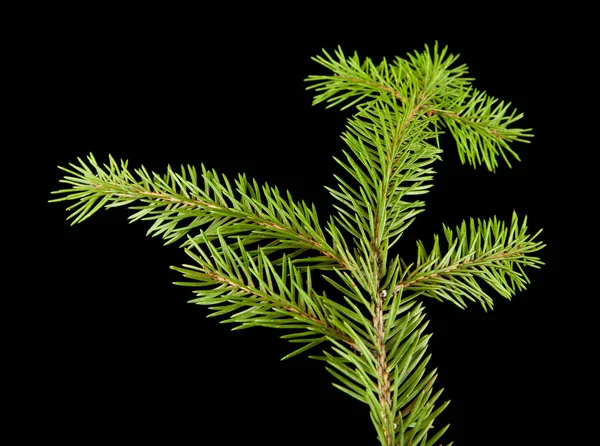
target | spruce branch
[
  {"x": 248, "y": 216},
  {"x": 417, "y": 78},
  {"x": 480, "y": 125},
  {"x": 253, "y": 291},
  {"x": 179, "y": 203},
  {"x": 426, "y": 82},
  {"x": 390, "y": 159},
  {"x": 485, "y": 250},
  {"x": 259, "y": 258}
]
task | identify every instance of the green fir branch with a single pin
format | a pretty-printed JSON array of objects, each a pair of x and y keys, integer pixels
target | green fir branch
[
  {"x": 480, "y": 125},
  {"x": 390, "y": 159},
  {"x": 259, "y": 258},
  {"x": 184, "y": 202},
  {"x": 427, "y": 83},
  {"x": 253, "y": 291},
  {"x": 484, "y": 251},
  {"x": 411, "y": 80}
]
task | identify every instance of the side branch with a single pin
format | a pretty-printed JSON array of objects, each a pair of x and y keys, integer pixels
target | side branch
[
  {"x": 414, "y": 278},
  {"x": 375, "y": 86},
  {"x": 488, "y": 251},
  {"x": 178, "y": 203},
  {"x": 276, "y": 304}
]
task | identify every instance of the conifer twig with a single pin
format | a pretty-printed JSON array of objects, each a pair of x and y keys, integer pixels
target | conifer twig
[{"x": 255, "y": 252}]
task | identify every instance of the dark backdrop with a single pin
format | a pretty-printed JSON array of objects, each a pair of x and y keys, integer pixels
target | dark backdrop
[{"x": 119, "y": 354}]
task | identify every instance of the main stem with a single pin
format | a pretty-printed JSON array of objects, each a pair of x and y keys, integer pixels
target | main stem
[
  {"x": 383, "y": 385},
  {"x": 384, "y": 382}
]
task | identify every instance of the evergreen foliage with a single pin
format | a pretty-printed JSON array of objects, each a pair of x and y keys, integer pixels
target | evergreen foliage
[{"x": 257, "y": 256}]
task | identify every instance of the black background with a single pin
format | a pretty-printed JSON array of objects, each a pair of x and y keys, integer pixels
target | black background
[{"x": 114, "y": 350}]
